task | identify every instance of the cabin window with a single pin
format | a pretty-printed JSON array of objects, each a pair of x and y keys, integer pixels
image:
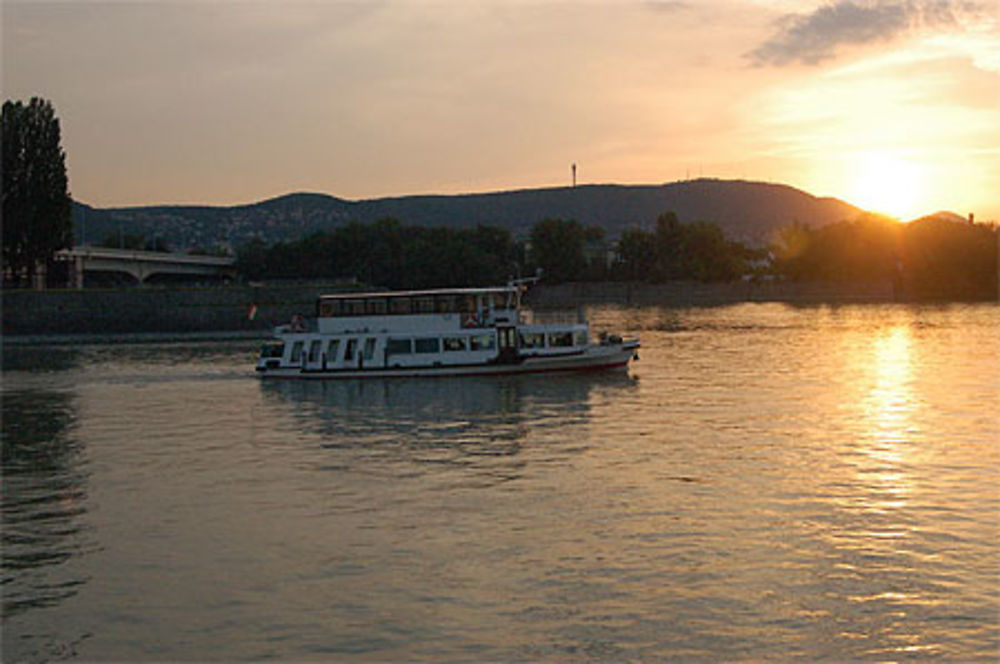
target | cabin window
[
  {"x": 468, "y": 304},
  {"x": 431, "y": 345},
  {"x": 272, "y": 350},
  {"x": 314, "y": 350},
  {"x": 332, "y": 350},
  {"x": 580, "y": 338},
  {"x": 423, "y": 305},
  {"x": 369, "y": 348},
  {"x": 455, "y": 343},
  {"x": 482, "y": 342},
  {"x": 499, "y": 301},
  {"x": 297, "y": 351},
  {"x": 376, "y": 306},
  {"x": 399, "y": 305},
  {"x": 329, "y": 308},
  {"x": 560, "y": 339},
  {"x": 446, "y": 304},
  {"x": 352, "y": 345},
  {"x": 399, "y": 347},
  {"x": 354, "y": 307},
  {"x": 532, "y": 340}
]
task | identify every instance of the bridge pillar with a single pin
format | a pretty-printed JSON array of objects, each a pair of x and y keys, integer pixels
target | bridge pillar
[
  {"x": 40, "y": 276},
  {"x": 76, "y": 273}
]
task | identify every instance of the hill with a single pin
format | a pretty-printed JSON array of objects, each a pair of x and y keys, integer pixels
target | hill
[{"x": 747, "y": 211}]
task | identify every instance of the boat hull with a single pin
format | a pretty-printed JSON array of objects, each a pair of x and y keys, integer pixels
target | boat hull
[{"x": 596, "y": 358}]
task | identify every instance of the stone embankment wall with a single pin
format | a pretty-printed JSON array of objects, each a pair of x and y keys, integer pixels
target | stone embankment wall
[
  {"x": 226, "y": 308},
  {"x": 156, "y": 310},
  {"x": 693, "y": 294}
]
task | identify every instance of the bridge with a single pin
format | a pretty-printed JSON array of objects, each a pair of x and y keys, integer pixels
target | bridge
[{"x": 141, "y": 265}]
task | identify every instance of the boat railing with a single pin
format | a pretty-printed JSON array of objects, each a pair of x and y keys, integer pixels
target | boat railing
[{"x": 298, "y": 324}]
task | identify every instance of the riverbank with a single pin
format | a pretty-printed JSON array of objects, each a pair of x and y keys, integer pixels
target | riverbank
[
  {"x": 696, "y": 294},
  {"x": 131, "y": 338},
  {"x": 156, "y": 313},
  {"x": 137, "y": 315}
]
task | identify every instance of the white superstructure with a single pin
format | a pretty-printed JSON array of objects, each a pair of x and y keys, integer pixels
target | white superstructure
[{"x": 463, "y": 331}]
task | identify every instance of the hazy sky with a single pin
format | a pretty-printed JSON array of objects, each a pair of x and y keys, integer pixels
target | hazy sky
[{"x": 889, "y": 104}]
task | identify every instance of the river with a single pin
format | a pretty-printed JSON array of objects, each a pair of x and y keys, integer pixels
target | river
[{"x": 766, "y": 483}]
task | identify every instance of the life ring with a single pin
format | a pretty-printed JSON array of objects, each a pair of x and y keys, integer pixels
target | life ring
[
  {"x": 298, "y": 323},
  {"x": 470, "y": 320}
]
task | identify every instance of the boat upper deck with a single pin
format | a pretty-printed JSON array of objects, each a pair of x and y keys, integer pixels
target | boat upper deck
[{"x": 418, "y": 302}]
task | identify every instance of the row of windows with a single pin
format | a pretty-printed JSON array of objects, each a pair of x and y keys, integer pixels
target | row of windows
[
  {"x": 333, "y": 350},
  {"x": 404, "y": 305},
  {"x": 434, "y": 345},
  {"x": 426, "y": 345},
  {"x": 555, "y": 339},
  {"x": 476, "y": 342}
]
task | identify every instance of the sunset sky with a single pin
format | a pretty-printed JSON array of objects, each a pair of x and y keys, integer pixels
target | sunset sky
[{"x": 893, "y": 105}]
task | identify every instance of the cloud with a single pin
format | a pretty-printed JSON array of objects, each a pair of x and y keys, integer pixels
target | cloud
[
  {"x": 666, "y": 5},
  {"x": 812, "y": 38}
]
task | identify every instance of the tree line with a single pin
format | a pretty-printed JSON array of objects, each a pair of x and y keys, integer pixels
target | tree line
[
  {"x": 931, "y": 258},
  {"x": 390, "y": 254}
]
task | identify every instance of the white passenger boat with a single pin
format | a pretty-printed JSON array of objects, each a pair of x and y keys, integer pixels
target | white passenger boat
[{"x": 448, "y": 332}]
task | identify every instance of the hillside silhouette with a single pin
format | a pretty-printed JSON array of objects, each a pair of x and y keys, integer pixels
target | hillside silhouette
[{"x": 747, "y": 211}]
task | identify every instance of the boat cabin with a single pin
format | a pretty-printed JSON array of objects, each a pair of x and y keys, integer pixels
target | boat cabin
[
  {"x": 413, "y": 329},
  {"x": 410, "y": 310}
]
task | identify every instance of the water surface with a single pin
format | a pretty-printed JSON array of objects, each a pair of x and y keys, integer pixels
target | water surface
[{"x": 766, "y": 483}]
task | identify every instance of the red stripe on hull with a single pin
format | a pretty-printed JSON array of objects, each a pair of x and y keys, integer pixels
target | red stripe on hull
[{"x": 383, "y": 373}]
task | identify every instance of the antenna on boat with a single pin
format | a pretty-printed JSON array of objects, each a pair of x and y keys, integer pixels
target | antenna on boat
[
  {"x": 522, "y": 282},
  {"x": 520, "y": 285}
]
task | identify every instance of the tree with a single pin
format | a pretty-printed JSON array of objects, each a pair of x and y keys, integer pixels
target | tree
[
  {"x": 557, "y": 247},
  {"x": 677, "y": 250},
  {"x": 637, "y": 253},
  {"x": 37, "y": 211}
]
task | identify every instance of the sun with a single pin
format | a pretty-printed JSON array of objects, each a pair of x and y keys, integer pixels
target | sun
[{"x": 888, "y": 183}]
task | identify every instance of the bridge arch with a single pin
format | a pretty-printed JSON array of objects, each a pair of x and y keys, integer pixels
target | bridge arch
[{"x": 143, "y": 265}]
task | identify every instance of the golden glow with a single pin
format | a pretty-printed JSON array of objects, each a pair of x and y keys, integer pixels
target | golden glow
[
  {"x": 905, "y": 132},
  {"x": 888, "y": 183},
  {"x": 890, "y": 401}
]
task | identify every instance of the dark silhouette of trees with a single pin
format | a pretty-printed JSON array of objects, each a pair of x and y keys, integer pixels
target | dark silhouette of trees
[
  {"x": 557, "y": 247},
  {"x": 637, "y": 255},
  {"x": 862, "y": 249},
  {"x": 945, "y": 260},
  {"x": 138, "y": 242},
  {"x": 680, "y": 251},
  {"x": 931, "y": 258},
  {"x": 37, "y": 211},
  {"x": 389, "y": 254},
  {"x": 566, "y": 250}
]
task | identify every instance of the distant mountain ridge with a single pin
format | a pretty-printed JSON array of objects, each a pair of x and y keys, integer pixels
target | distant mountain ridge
[{"x": 746, "y": 211}]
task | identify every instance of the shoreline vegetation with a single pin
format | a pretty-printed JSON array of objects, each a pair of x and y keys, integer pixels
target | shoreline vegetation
[
  {"x": 868, "y": 259},
  {"x": 222, "y": 313},
  {"x": 934, "y": 258}
]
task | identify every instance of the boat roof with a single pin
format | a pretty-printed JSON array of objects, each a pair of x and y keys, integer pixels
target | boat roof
[{"x": 421, "y": 293}]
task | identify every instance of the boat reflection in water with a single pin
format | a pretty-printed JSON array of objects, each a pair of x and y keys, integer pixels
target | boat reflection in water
[{"x": 446, "y": 418}]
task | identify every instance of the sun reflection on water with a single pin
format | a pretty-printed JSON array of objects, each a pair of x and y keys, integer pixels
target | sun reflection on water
[
  {"x": 888, "y": 430},
  {"x": 876, "y": 535},
  {"x": 890, "y": 401}
]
